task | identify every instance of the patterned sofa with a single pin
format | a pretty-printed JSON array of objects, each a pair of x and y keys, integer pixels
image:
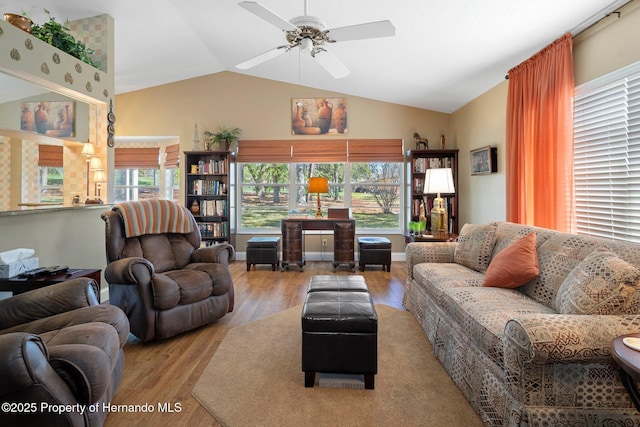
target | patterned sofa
[{"x": 537, "y": 354}]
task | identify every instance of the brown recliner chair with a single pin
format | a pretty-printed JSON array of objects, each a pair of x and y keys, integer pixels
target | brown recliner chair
[
  {"x": 59, "y": 346},
  {"x": 164, "y": 281}
]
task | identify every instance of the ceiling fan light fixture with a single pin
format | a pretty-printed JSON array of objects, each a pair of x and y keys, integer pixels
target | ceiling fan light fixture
[{"x": 306, "y": 45}]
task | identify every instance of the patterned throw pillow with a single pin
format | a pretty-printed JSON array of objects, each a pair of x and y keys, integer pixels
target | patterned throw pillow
[
  {"x": 602, "y": 283},
  {"x": 515, "y": 265},
  {"x": 475, "y": 245}
]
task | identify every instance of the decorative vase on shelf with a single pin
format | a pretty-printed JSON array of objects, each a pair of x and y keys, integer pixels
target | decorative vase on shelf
[
  {"x": 195, "y": 207},
  {"x": 422, "y": 224}
]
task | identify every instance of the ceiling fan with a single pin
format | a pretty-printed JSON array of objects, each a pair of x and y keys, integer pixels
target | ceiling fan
[{"x": 310, "y": 34}]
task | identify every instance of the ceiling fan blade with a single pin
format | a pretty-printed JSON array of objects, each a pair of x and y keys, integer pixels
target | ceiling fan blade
[
  {"x": 264, "y": 13},
  {"x": 263, "y": 57},
  {"x": 369, "y": 30},
  {"x": 332, "y": 64}
]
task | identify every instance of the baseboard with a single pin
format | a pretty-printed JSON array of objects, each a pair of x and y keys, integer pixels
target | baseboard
[
  {"x": 104, "y": 295},
  {"x": 327, "y": 256}
]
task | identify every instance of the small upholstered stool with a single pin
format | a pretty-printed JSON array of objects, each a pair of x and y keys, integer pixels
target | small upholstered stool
[
  {"x": 339, "y": 335},
  {"x": 263, "y": 250},
  {"x": 374, "y": 250}
]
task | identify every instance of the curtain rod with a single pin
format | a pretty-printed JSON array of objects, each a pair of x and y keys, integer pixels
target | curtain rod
[{"x": 595, "y": 18}]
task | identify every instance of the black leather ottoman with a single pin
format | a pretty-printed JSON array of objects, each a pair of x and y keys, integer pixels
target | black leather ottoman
[
  {"x": 374, "y": 250},
  {"x": 263, "y": 250},
  {"x": 339, "y": 335},
  {"x": 331, "y": 282}
]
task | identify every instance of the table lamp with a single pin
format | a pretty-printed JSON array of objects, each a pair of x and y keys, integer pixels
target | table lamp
[
  {"x": 88, "y": 151},
  {"x": 98, "y": 177},
  {"x": 437, "y": 181},
  {"x": 318, "y": 185}
]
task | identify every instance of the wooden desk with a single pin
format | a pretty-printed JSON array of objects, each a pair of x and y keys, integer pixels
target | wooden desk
[
  {"x": 432, "y": 237},
  {"x": 344, "y": 231},
  {"x": 18, "y": 285},
  {"x": 628, "y": 361}
]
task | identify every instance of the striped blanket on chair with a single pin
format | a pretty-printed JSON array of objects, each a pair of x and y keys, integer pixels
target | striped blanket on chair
[{"x": 154, "y": 216}]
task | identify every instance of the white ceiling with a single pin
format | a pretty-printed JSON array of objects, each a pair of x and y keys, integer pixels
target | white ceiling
[{"x": 445, "y": 52}]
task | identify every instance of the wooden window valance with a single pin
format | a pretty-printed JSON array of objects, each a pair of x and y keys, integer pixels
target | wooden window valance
[
  {"x": 50, "y": 156},
  {"x": 264, "y": 151},
  {"x": 320, "y": 150},
  {"x": 375, "y": 150},
  {"x": 172, "y": 156},
  {"x": 137, "y": 158}
]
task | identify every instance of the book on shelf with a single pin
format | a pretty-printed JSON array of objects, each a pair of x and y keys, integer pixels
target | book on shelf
[
  {"x": 421, "y": 164},
  {"x": 208, "y": 187},
  {"x": 214, "y": 229},
  {"x": 213, "y": 208},
  {"x": 210, "y": 167}
]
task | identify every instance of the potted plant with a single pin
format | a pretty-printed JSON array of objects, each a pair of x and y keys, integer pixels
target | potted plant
[
  {"x": 222, "y": 137},
  {"x": 57, "y": 35}
]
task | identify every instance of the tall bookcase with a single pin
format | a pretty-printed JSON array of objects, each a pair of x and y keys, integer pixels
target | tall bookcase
[
  {"x": 209, "y": 194},
  {"x": 419, "y": 162}
]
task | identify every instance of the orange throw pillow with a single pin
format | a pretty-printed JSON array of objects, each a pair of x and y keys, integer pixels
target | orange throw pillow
[{"x": 515, "y": 265}]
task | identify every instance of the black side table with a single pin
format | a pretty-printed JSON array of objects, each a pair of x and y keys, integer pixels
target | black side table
[{"x": 18, "y": 285}]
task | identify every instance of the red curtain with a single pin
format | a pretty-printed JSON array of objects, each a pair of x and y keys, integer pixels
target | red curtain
[{"x": 539, "y": 146}]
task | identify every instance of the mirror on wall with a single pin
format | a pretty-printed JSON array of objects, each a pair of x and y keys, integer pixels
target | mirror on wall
[{"x": 40, "y": 136}]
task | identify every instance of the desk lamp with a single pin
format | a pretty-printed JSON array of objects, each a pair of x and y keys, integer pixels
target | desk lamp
[
  {"x": 318, "y": 185},
  {"x": 436, "y": 181}
]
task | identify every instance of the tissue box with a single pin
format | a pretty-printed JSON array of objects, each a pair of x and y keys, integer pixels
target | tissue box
[{"x": 15, "y": 268}]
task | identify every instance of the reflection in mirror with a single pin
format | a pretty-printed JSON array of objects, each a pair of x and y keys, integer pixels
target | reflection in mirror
[{"x": 39, "y": 135}]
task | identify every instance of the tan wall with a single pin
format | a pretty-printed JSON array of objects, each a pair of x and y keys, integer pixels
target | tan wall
[
  {"x": 261, "y": 108},
  {"x": 478, "y": 124},
  {"x": 603, "y": 48}
]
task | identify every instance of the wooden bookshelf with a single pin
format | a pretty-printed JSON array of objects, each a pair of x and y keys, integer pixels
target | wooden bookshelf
[
  {"x": 419, "y": 162},
  {"x": 208, "y": 194}
]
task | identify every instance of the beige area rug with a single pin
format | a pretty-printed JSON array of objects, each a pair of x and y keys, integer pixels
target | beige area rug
[{"x": 255, "y": 379}]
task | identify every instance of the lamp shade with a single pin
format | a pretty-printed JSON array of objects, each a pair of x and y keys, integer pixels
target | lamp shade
[
  {"x": 99, "y": 176},
  {"x": 95, "y": 164},
  {"x": 88, "y": 150},
  {"x": 318, "y": 185},
  {"x": 439, "y": 180}
]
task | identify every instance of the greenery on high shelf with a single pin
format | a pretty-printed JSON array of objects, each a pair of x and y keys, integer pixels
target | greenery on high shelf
[
  {"x": 222, "y": 134},
  {"x": 58, "y": 35}
]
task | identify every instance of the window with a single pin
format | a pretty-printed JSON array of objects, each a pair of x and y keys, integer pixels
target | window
[
  {"x": 138, "y": 173},
  {"x": 264, "y": 195},
  {"x": 50, "y": 185},
  {"x": 274, "y": 177},
  {"x": 50, "y": 174},
  {"x": 375, "y": 195},
  {"x": 607, "y": 155}
]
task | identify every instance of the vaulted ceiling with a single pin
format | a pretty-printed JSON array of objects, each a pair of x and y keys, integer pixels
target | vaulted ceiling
[{"x": 444, "y": 54}]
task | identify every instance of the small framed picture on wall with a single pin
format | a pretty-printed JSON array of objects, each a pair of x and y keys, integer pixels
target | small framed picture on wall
[{"x": 484, "y": 160}]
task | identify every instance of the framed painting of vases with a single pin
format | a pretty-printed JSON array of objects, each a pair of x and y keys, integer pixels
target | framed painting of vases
[
  {"x": 319, "y": 116},
  {"x": 52, "y": 118}
]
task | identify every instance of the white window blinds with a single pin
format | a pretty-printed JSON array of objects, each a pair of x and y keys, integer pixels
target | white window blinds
[{"x": 607, "y": 155}]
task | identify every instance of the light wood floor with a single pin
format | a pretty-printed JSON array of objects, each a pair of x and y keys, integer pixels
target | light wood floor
[{"x": 166, "y": 371}]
